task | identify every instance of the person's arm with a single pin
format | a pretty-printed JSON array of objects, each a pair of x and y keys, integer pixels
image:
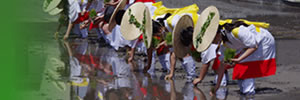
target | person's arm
[
  {"x": 247, "y": 53},
  {"x": 99, "y": 19},
  {"x": 70, "y": 26},
  {"x": 85, "y": 24},
  {"x": 132, "y": 65},
  {"x": 201, "y": 94},
  {"x": 149, "y": 60},
  {"x": 173, "y": 90},
  {"x": 203, "y": 72},
  {"x": 68, "y": 48},
  {"x": 161, "y": 44},
  {"x": 221, "y": 71},
  {"x": 106, "y": 29},
  {"x": 172, "y": 67},
  {"x": 131, "y": 54},
  {"x": 112, "y": 3}
]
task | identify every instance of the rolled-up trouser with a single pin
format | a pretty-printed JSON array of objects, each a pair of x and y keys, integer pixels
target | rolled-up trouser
[
  {"x": 223, "y": 81},
  {"x": 247, "y": 86},
  {"x": 140, "y": 47},
  {"x": 188, "y": 65},
  {"x": 165, "y": 61},
  {"x": 82, "y": 32}
]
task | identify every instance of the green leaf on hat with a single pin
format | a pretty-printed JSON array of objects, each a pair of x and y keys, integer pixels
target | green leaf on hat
[
  {"x": 203, "y": 29},
  {"x": 141, "y": 27}
]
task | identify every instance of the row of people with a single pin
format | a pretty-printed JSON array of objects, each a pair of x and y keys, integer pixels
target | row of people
[
  {"x": 254, "y": 46},
  {"x": 169, "y": 34}
]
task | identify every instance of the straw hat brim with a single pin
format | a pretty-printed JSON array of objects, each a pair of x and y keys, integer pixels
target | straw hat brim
[
  {"x": 211, "y": 30},
  {"x": 55, "y": 11},
  {"x": 130, "y": 31},
  {"x": 112, "y": 21},
  {"x": 53, "y": 4},
  {"x": 179, "y": 49}
]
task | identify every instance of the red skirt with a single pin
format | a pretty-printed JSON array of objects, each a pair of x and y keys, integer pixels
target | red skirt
[{"x": 253, "y": 69}]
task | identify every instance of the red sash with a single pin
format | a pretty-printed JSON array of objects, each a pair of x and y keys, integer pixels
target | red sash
[{"x": 82, "y": 18}]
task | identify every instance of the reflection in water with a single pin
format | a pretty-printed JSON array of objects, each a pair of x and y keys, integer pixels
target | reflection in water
[{"x": 101, "y": 73}]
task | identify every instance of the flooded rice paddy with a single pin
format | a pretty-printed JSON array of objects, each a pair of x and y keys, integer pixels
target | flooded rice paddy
[{"x": 87, "y": 69}]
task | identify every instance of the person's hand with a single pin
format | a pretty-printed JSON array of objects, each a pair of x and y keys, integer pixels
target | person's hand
[
  {"x": 170, "y": 81},
  {"x": 196, "y": 81},
  {"x": 235, "y": 60},
  {"x": 169, "y": 76},
  {"x": 66, "y": 37},
  {"x": 83, "y": 12},
  {"x": 161, "y": 44}
]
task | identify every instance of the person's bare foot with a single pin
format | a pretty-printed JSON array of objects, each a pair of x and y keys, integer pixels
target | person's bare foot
[{"x": 196, "y": 81}]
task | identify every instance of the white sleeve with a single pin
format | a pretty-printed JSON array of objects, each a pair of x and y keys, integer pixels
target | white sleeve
[
  {"x": 247, "y": 36},
  {"x": 74, "y": 9},
  {"x": 209, "y": 54}
]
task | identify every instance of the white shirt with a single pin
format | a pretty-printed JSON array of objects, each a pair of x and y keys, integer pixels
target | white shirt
[
  {"x": 74, "y": 9},
  {"x": 209, "y": 54}
]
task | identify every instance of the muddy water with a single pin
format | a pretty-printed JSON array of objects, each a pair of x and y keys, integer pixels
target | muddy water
[{"x": 85, "y": 69}]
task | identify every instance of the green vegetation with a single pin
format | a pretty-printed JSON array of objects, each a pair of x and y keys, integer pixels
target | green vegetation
[
  {"x": 169, "y": 38},
  {"x": 203, "y": 29},
  {"x": 229, "y": 54}
]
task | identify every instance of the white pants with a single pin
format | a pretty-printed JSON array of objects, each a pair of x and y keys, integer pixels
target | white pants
[
  {"x": 139, "y": 46},
  {"x": 163, "y": 59},
  {"x": 247, "y": 86},
  {"x": 223, "y": 81},
  {"x": 188, "y": 65},
  {"x": 82, "y": 32}
]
